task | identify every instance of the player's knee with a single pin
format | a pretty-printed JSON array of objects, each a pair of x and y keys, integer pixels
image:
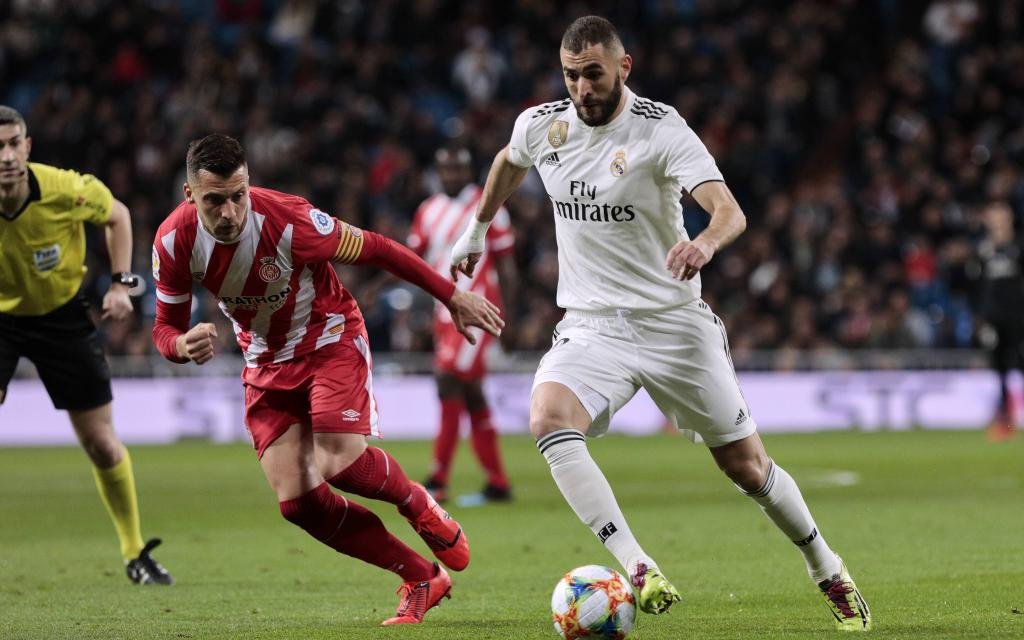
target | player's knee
[
  {"x": 748, "y": 474},
  {"x": 336, "y": 452},
  {"x": 554, "y": 406},
  {"x": 543, "y": 423},
  {"x": 103, "y": 452}
]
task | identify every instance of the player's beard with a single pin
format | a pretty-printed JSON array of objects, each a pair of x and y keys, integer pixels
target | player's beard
[{"x": 605, "y": 108}]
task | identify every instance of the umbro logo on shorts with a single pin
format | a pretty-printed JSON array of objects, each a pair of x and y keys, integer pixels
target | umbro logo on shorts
[{"x": 350, "y": 415}]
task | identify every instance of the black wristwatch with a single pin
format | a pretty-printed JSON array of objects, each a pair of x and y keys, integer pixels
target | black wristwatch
[{"x": 126, "y": 278}]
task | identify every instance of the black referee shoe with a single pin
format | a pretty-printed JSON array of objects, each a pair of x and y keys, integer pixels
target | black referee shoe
[{"x": 145, "y": 569}]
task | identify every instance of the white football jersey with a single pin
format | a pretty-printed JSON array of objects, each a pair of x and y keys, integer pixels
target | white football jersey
[{"x": 615, "y": 193}]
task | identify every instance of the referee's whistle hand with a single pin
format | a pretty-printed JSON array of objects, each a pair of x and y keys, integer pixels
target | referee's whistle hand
[
  {"x": 117, "y": 305},
  {"x": 197, "y": 343}
]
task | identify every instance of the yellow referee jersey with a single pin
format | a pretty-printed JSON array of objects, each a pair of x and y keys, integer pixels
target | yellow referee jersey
[{"x": 42, "y": 246}]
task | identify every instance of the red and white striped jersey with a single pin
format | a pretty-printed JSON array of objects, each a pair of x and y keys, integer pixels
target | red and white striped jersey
[
  {"x": 275, "y": 283},
  {"x": 439, "y": 222}
]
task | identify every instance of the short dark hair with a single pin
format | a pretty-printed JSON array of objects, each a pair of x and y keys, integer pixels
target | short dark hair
[
  {"x": 589, "y": 31},
  {"x": 217, "y": 153},
  {"x": 10, "y": 115}
]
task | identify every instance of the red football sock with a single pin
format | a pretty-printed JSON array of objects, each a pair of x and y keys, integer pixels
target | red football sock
[
  {"x": 485, "y": 444},
  {"x": 377, "y": 475},
  {"x": 352, "y": 529},
  {"x": 447, "y": 439}
]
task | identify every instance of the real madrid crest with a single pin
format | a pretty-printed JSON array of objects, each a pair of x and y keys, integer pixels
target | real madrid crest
[
  {"x": 558, "y": 132},
  {"x": 619, "y": 164},
  {"x": 269, "y": 271}
]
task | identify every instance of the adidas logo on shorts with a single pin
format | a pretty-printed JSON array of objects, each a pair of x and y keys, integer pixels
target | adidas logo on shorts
[{"x": 741, "y": 417}]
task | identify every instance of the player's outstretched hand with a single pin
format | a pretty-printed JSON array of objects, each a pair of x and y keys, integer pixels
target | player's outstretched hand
[
  {"x": 117, "y": 305},
  {"x": 688, "y": 257},
  {"x": 197, "y": 343},
  {"x": 470, "y": 310}
]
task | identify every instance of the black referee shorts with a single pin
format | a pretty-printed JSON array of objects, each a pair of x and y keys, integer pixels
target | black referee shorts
[{"x": 64, "y": 347}]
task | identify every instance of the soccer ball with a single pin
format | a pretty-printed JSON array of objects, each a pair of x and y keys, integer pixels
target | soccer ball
[{"x": 593, "y": 602}]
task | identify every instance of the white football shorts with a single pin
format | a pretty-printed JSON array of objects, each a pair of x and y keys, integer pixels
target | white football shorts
[{"x": 679, "y": 355}]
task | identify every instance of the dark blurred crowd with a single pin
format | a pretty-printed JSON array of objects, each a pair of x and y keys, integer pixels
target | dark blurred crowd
[{"x": 862, "y": 139}]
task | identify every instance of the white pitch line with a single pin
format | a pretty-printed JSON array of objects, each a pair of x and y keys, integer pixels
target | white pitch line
[{"x": 828, "y": 478}]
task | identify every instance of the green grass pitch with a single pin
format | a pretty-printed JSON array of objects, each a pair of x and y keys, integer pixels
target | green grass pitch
[{"x": 930, "y": 523}]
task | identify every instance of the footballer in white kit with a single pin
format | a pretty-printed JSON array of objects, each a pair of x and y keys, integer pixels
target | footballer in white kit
[
  {"x": 615, "y": 193},
  {"x": 614, "y": 165}
]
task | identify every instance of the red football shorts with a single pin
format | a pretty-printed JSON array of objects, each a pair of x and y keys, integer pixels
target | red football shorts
[
  {"x": 330, "y": 389},
  {"x": 454, "y": 355}
]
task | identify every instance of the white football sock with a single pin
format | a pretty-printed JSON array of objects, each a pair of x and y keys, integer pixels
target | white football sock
[
  {"x": 588, "y": 493},
  {"x": 781, "y": 501}
]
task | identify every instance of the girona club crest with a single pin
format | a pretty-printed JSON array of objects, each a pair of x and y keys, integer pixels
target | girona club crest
[{"x": 269, "y": 271}]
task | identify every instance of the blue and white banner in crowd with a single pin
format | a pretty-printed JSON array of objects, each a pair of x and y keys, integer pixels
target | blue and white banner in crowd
[{"x": 162, "y": 410}]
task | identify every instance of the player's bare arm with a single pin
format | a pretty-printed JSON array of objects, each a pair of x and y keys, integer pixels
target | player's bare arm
[
  {"x": 502, "y": 181},
  {"x": 196, "y": 344},
  {"x": 688, "y": 257},
  {"x": 117, "y": 305}
]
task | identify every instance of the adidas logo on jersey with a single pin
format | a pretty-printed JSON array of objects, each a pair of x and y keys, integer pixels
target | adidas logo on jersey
[{"x": 552, "y": 161}]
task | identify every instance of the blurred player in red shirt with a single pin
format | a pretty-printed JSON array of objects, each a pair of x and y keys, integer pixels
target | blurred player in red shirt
[
  {"x": 309, "y": 403},
  {"x": 459, "y": 366}
]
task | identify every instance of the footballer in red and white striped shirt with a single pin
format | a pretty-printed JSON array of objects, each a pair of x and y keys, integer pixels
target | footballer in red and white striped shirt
[
  {"x": 460, "y": 367},
  {"x": 268, "y": 256},
  {"x": 438, "y": 222}
]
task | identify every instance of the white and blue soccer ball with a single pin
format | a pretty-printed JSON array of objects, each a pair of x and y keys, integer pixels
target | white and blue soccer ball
[{"x": 593, "y": 602}]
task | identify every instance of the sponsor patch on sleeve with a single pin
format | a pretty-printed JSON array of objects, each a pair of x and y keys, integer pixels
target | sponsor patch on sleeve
[{"x": 323, "y": 222}]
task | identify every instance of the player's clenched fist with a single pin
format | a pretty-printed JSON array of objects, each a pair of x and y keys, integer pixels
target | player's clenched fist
[
  {"x": 197, "y": 343},
  {"x": 688, "y": 257},
  {"x": 471, "y": 310}
]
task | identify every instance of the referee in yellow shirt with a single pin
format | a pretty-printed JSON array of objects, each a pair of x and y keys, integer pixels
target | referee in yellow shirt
[{"x": 43, "y": 316}]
